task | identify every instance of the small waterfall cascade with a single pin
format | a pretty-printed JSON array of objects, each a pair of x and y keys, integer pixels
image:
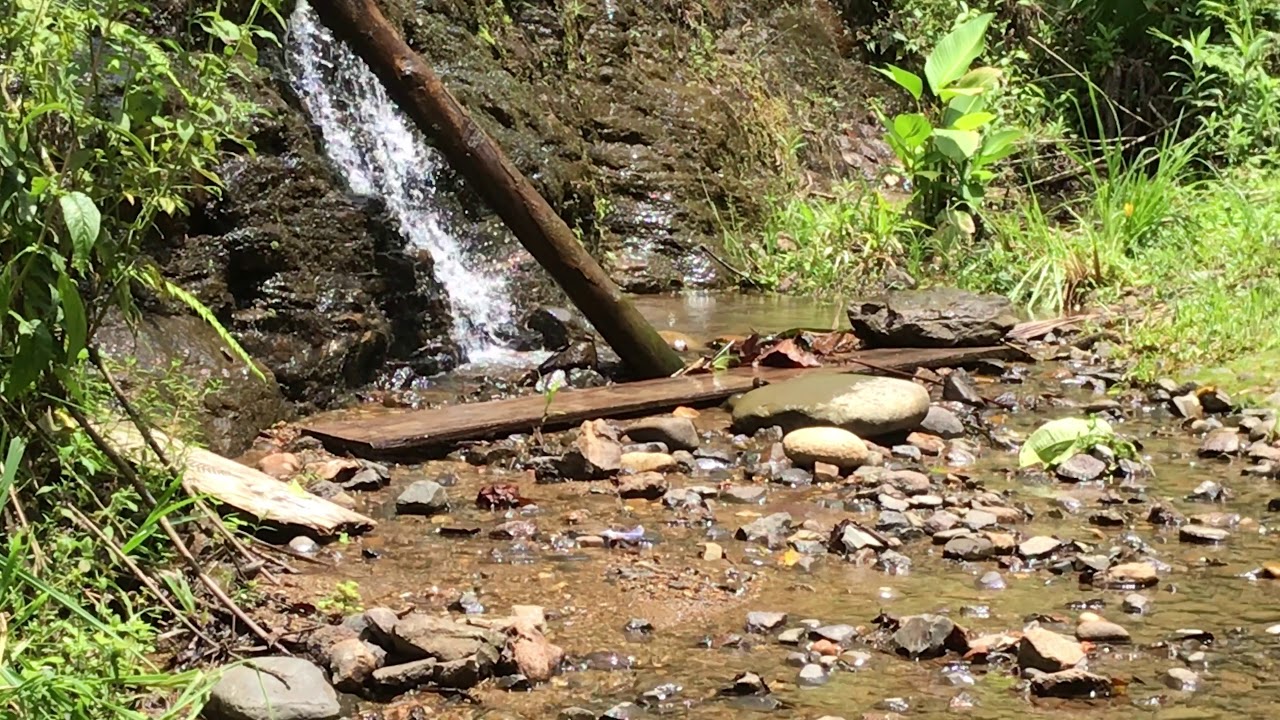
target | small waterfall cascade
[{"x": 382, "y": 155}]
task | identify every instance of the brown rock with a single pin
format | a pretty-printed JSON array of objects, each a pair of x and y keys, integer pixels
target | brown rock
[
  {"x": 1130, "y": 575},
  {"x": 647, "y": 462},
  {"x": 351, "y": 663},
  {"x": 1074, "y": 683},
  {"x": 1048, "y": 651},
  {"x": 536, "y": 657},
  {"x": 280, "y": 466},
  {"x": 644, "y": 485},
  {"x": 1221, "y": 442},
  {"x": 928, "y": 444},
  {"x": 712, "y": 552},
  {"x": 596, "y": 452},
  {"x": 831, "y": 445},
  {"x": 825, "y": 473}
]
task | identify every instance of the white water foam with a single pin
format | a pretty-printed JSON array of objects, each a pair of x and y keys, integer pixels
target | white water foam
[{"x": 382, "y": 155}]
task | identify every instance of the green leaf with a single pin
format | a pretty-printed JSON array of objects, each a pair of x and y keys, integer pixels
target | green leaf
[
  {"x": 957, "y": 145},
  {"x": 955, "y": 52},
  {"x": 83, "y": 223},
  {"x": 982, "y": 78},
  {"x": 973, "y": 121},
  {"x": 35, "y": 351},
  {"x": 904, "y": 78},
  {"x": 999, "y": 145},
  {"x": 1057, "y": 440},
  {"x": 959, "y": 106},
  {"x": 912, "y": 129},
  {"x": 75, "y": 324}
]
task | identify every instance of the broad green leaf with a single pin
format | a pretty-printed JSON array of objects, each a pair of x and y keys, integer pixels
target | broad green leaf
[
  {"x": 983, "y": 78},
  {"x": 973, "y": 121},
  {"x": 1057, "y": 440},
  {"x": 912, "y": 129},
  {"x": 999, "y": 145},
  {"x": 960, "y": 105},
  {"x": 83, "y": 223},
  {"x": 75, "y": 324},
  {"x": 957, "y": 145},
  {"x": 904, "y": 78},
  {"x": 954, "y": 53},
  {"x": 952, "y": 92},
  {"x": 35, "y": 351}
]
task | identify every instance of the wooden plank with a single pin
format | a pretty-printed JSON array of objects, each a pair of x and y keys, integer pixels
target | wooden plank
[
  {"x": 244, "y": 488},
  {"x": 400, "y": 433}
]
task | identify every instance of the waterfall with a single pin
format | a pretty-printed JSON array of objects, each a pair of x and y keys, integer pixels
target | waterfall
[{"x": 382, "y": 155}]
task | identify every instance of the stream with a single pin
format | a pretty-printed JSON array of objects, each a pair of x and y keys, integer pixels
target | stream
[{"x": 697, "y": 607}]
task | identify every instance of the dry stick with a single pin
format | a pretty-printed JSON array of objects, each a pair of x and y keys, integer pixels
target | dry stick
[
  {"x": 145, "y": 429},
  {"x": 899, "y": 373},
  {"x": 131, "y": 475},
  {"x": 36, "y": 553},
  {"x": 84, "y": 522}
]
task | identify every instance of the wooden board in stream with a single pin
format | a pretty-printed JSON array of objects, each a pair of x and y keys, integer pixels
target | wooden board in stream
[
  {"x": 401, "y": 433},
  {"x": 227, "y": 481}
]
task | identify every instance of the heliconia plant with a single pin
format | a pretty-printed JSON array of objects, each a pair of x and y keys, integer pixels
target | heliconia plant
[{"x": 947, "y": 147}]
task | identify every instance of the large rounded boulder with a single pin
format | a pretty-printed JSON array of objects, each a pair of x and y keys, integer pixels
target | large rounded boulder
[{"x": 865, "y": 405}]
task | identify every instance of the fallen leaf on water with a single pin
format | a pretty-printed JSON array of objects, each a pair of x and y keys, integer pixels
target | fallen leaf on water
[{"x": 788, "y": 354}]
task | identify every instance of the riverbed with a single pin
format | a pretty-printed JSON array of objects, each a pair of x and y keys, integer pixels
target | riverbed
[{"x": 692, "y": 610}]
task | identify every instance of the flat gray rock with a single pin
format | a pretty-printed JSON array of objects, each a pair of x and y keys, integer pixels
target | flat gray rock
[
  {"x": 424, "y": 497},
  {"x": 865, "y": 405},
  {"x": 286, "y": 688},
  {"x": 674, "y": 432},
  {"x": 936, "y": 317}
]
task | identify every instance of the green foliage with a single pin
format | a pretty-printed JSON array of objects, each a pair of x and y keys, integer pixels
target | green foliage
[
  {"x": 948, "y": 147},
  {"x": 824, "y": 244},
  {"x": 344, "y": 600},
  {"x": 1231, "y": 83},
  {"x": 1057, "y": 440},
  {"x": 106, "y": 132}
]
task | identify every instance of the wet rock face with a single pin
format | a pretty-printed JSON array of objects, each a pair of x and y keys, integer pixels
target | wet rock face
[
  {"x": 635, "y": 119},
  {"x": 937, "y": 317},
  {"x": 315, "y": 283}
]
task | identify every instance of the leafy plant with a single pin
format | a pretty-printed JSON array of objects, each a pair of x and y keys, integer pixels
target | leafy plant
[
  {"x": 344, "y": 600},
  {"x": 948, "y": 147},
  {"x": 1057, "y": 440}
]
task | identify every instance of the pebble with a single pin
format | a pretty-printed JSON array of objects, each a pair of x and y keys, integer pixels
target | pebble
[
  {"x": 761, "y": 621},
  {"x": 1101, "y": 631},
  {"x": 1136, "y": 604},
  {"x": 1081, "y": 467},
  {"x": 991, "y": 580},
  {"x": 1220, "y": 443},
  {"x": 305, "y": 545},
  {"x": 1038, "y": 546},
  {"x": 812, "y": 674},
  {"x": 1182, "y": 679},
  {"x": 969, "y": 548}
]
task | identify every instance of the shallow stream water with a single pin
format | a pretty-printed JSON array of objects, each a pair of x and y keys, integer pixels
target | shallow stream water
[{"x": 590, "y": 593}]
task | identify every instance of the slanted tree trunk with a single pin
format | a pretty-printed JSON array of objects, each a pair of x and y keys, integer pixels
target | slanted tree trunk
[{"x": 417, "y": 90}]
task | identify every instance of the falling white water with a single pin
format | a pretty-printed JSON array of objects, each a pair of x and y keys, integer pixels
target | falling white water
[{"x": 383, "y": 156}]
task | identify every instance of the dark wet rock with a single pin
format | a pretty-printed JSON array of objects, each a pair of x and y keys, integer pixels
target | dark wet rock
[
  {"x": 867, "y": 406},
  {"x": 579, "y": 355},
  {"x": 380, "y": 623},
  {"x": 928, "y": 636},
  {"x": 942, "y": 422},
  {"x": 812, "y": 675},
  {"x": 1202, "y": 534},
  {"x": 675, "y": 432},
  {"x": 272, "y": 688},
  {"x": 959, "y": 387},
  {"x": 1071, "y": 684},
  {"x": 645, "y": 485},
  {"x": 1107, "y": 518},
  {"x": 1163, "y": 514},
  {"x": 743, "y": 494},
  {"x": 1215, "y": 401},
  {"x": 1048, "y": 651},
  {"x": 1081, "y": 467},
  {"x": 770, "y": 530},
  {"x": 794, "y": 478},
  {"x": 991, "y": 580},
  {"x": 1220, "y": 443},
  {"x": 1102, "y": 631},
  {"x": 424, "y": 497},
  {"x": 937, "y": 317},
  {"x": 970, "y": 548},
  {"x": 760, "y": 621},
  {"x": 1181, "y": 679},
  {"x": 556, "y": 326}
]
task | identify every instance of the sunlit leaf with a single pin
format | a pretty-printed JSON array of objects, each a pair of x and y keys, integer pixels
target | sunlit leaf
[
  {"x": 955, "y": 52},
  {"x": 84, "y": 222},
  {"x": 904, "y": 78},
  {"x": 957, "y": 145},
  {"x": 1057, "y": 440}
]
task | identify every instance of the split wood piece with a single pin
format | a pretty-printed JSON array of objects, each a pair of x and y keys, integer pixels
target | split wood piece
[
  {"x": 241, "y": 487},
  {"x": 402, "y": 434},
  {"x": 417, "y": 90}
]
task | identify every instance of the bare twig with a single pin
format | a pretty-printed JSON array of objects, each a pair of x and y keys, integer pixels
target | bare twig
[
  {"x": 742, "y": 275},
  {"x": 84, "y": 522},
  {"x": 126, "y": 469}
]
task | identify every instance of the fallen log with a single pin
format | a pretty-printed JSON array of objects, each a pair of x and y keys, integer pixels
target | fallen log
[
  {"x": 417, "y": 90},
  {"x": 406, "y": 434},
  {"x": 243, "y": 488}
]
